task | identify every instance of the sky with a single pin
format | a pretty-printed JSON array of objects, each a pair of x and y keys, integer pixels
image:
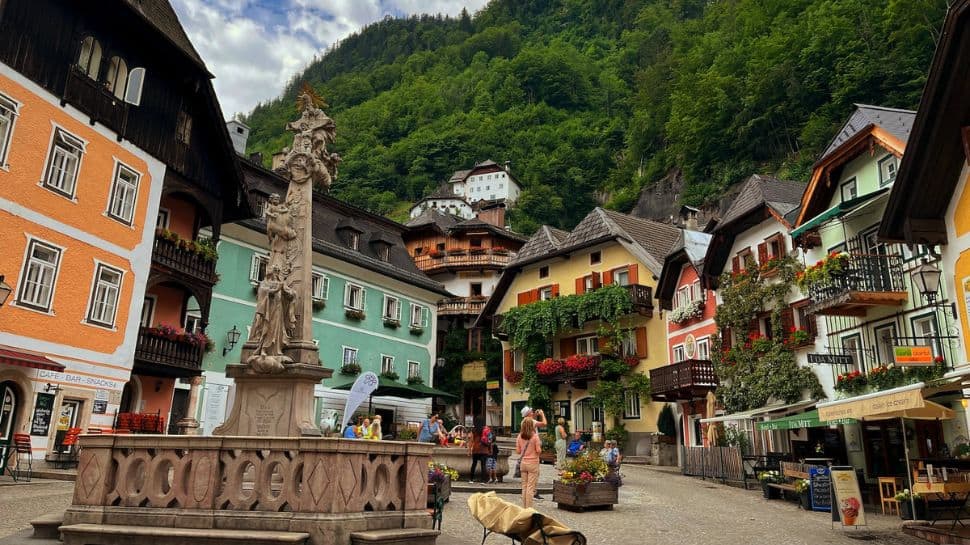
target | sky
[{"x": 254, "y": 47}]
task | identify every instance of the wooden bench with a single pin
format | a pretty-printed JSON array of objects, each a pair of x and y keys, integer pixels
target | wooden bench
[
  {"x": 794, "y": 470},
  {"x": 782, "y": 486}
]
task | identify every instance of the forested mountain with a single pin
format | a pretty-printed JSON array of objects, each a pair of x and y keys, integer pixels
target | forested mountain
[{"x": 591, "y": 100}]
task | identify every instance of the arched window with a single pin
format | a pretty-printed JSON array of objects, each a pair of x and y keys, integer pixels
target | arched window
[
  {"x": 586, "y": 413},
  {"x": 89, "y": 61},
  {"x": 117, "y": 76}
]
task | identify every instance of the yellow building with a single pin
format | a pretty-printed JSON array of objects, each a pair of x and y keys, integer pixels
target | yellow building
[{"x": 606, "y": 248}]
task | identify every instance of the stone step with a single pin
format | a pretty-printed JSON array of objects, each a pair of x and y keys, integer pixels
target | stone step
[
  {"x": 400, "y": 536},
  {"x": 637, "y": 460},
  {"x": 115, "y": 534},
  {"x": 46, "y": 527}
]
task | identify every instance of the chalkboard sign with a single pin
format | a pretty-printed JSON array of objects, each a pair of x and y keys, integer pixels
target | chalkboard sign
[
  {"x": 43, "y": 410},
  {"x": 821, "y": 487},
  {"x": 100, "y": 406}
]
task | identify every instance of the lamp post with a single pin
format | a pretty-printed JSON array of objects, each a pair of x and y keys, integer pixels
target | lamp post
[
  {"x": 926, "y": 278},
  {"x": 232, "y": 337},
  {"x": 5, "y": 290}
]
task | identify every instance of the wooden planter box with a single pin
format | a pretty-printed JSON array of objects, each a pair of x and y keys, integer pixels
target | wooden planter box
[
  {"x": 580, "y": 497},
  {"x": 547, "y": 457},
  {"x": 444, "y": 491}
]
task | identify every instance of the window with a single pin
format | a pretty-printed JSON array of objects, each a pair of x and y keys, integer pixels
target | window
[
  {"x": 387, "y": 363},
  {"x": 926, "y": 332},
  {"x": 417, "y": 251},
  {"x": 350, "y": 355},
  {"x": 257, "y": 268},
  {"x": 628, "y": 345},
  {"x": 476, "y": 289},
  {"x": 704, "y": 349},
  {"x": 885, "y": 338},
  {"x": 440, "y": 246},
  {"x": 183, "y": 128},
  {"x": 161, "y": 220},
  {"x": 544, "y": 272},
  {"x": 124, "y": 190},
  {"x": 595, "y": 258},
  {"x": 587, "y": 345},
  {"x": 776, "y": 246},
  {"x": 631, "y": 405},
  {"x": 588, "y": 283},
  {"x": 849, "y": 191},
  {"x": 8, "y": 116},
  {"x": 683, "y": 297},
  {"x": 475, "y": 242},
  {"x": 679, "y": 353},
  {"x": 63, "y": 163},
  {"x": 418, "y": 316},
  {"x": 354, "y": 297},
  {"x": 518, "y": 361},
  {"x": 887, "y": 170},
  {"x": 392, "y": 308},
  {"x": 852, "y": 346},
  {"x": 117, "y": 77},
  {"x": 695, "y": 291},
  {"x": 193, "y": 321},
  {"x": 621, "y": 277},
  {"x": 39, "y": 275},
  {"x": 89, "y": 61},
  {"x": 104, "y": 295},
  {"x": 414, "y": 369},
  {"x": 320, "y": 286},
  {"x": 353, "y": 240},
  {"x": 147, "y": 311},
  {"x": 545, "y": 293},
  {"x": 384, "y": 252},
  {"x": 745, "y": 258}
]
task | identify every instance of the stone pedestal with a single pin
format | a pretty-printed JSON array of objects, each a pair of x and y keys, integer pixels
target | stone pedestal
[{"x": 273, "y": 405}]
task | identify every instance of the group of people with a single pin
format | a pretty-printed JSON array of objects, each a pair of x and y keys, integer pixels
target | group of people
[
  {"x": 432, "y": 430},
  {"x": 610, "y": 453},
  {"x": 365, "y": 428}
]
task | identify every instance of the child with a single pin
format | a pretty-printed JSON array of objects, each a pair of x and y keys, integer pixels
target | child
[{"x": 491, "y": 463}]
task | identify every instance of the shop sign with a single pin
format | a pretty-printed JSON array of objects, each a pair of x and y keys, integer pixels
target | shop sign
[
  {"x": 492, "y": 385},
  {"x": 100, "y": 405},
  {"x": 830, "y": 359},
  {"x": 473, "y": 371},
  {"x": 913, "y": 355},
  {"x": 43, "y": 409},
  {"x": 820, "y": 484},
  {"x": 848, "y": 499},
  {"x": 885, "y": 403},
  {"x": 79, "y": 380}
]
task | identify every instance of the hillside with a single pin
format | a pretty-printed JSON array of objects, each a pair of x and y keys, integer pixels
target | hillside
[{"x": 592, "y": 100}]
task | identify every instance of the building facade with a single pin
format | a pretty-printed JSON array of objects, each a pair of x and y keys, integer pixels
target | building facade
[{"x": 486, "y": 181}]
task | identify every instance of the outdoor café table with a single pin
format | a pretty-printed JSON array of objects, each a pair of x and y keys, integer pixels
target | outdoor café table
[{"x": 951, "y": 491}]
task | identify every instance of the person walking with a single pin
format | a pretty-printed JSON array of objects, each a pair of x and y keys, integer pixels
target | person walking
[
  {"x": 479, "y": 451},
  {"x": 528, "y": 446},
  {"x": 561, "y": 444}
]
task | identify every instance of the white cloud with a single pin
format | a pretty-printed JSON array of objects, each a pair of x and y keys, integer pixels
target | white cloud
[{"x": 254, "y": 47}]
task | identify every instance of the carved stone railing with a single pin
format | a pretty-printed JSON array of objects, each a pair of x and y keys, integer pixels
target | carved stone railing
[{"x": 308, "y": 484}]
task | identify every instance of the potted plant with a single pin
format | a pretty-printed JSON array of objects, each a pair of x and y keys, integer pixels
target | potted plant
[
  {"x": 415, "y": 379},
  {"x": 440, "y": 477},
  {"x": 767, "y": 478},
  {"x": 392, "y": 322},
  {"x": 416, "y": 330},
  {"x": 390, "y": 375},
  {"x": 350, "y": 368},
  {"x": 906, "y": 500},
  {"x": 582, "y": 484},
  {"x": 354, "y": 314},
  {"x": 804, "y": 490}
]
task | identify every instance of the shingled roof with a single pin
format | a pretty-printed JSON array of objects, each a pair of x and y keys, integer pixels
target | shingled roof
[
  {"x": 159, "y": 14},
  {"x": 781, "y": 196},
  {"x": 547, "y": 239},
  {"x": 895, "y": 121}
]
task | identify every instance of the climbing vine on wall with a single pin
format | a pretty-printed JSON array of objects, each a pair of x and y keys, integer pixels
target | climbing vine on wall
[{"x": 758, "y": 368}]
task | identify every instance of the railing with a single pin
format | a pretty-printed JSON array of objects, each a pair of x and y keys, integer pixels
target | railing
[
  {"x": 490, "y": 257},
  {"x": 718, "y": 463},
  {"x": 169, "y": 254},
  {"x": 462, "y": 305},
  {"x": 265, "y": 477},
  {"x": 160, "y": 350},
  {"x": 641, "y": 296},
  {"x": 94, "y": 99},
  {"x": 684, "y": 378},
  {"x": 862, "y": 273},
  {"x": 592, "y": 373},
  {"x": 497, "y": 327}
]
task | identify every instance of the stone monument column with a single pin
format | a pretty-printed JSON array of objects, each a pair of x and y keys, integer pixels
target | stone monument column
[
  {"x": 280, "y": 362},
  {"x": 190, "y": 425}
]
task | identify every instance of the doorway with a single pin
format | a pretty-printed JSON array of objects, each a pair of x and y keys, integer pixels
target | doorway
[
  {"x": 474, "y": 405},
  {"x": 884, "y": 449},
  {"x": 8, "y": 416},
  {"x": 517, "y": 407},
  {"x": 586, "y": 414},
  {"x": 66, "y": 419},
  {"x": 180, "y": 407}
]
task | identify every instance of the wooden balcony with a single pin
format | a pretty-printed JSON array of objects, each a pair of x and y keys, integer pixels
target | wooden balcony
[
  {"x": 577, "y": 379},
  {"x": 642, "y": 299},
  {"x": 490, "y": 258},
  {"x": 156, "y": 355},
  {"x": 497, "y": 328},
  {"x": 170, "y": 255},
  {"x": 868, "y": 280},
  {"x": 459, "y": 306},
  {"x": 682, "y": 381},
  {"x": 94, "y": 99}
]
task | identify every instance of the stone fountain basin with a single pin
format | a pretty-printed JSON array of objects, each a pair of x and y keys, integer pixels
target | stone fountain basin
[{"x": 458, "y": 459}]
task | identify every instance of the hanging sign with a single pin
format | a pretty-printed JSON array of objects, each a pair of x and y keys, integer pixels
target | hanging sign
[
  {"x": 43, "y": 409},
  {"x": 492, "y": 385},
  {"x": 830, "y": 359},
  {"x": 473, "y": 371},
  {"x": 846, "y": 496},
  {"x": 820, "y": 481},
  {"x": 690, "y": 346},
  {"x": 913, "y": 355}
]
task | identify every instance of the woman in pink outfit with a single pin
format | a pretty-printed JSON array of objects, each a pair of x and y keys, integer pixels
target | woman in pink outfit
[{"x": 528, "y": 446}]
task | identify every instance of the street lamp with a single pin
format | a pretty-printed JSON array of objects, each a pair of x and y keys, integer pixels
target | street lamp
[
  {"x": 926, "y": 278},
  {"x": 232, "y": 337},
  {"x": 5, "y": 290}
]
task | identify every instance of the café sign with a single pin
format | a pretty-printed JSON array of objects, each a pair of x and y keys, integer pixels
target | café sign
[
  {"x": 830, "y": 359},
  {"x": 913, "y": 355}
]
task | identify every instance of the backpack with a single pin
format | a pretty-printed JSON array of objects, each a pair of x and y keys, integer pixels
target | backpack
[{"x": 487, "y": 437}]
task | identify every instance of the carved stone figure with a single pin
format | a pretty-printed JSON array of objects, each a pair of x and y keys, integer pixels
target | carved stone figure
[
  {"x": 272, "y": 323},
  {"x": 279, "y": 230}
]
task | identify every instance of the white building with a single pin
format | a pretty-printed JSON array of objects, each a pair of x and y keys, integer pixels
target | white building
[{"x": 486, "y": 181}]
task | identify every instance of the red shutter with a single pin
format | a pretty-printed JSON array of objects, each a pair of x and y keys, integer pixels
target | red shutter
[
  {"x": 580, "y": 285},
  {"x": 726, "y": 341},
  {"x": 523, "y": 298},
  {"x": 634, "y": 278},
  {"x": 534, "y": 295},
  {"x": 508, "y": 361},
  {"x": 555, "y": 290},
  {"x": 641, "y": 333},
  {"x": 596, "y": 280},
  {"x": 787, "y": 322},
  {"x": 754, "y": 326},
  {"x": 763, "y": 253},
  {"x": 607, "y": 278},
  {"x": 735, "y": 264},
  {"x": 567, "y": 347}
]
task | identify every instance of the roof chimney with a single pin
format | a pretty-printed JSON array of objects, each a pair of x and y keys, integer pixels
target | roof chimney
[
  {"x": 507, "y": 165},
  {"x": 688, "y": 214},
  {"x": 239, "y": 134}
]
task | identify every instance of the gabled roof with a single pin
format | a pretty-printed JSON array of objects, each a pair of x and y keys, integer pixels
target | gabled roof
[
  {"x": 159, "y": 14},
  {"x": 442, "y": 192},
  {"x": 476, "y": 224},
  {"x": 781, "y": 196},
  {"x": 546, "y": 240},
  {"x": 434, "y": 216},
  {"x": 895, "y": 121},
  {"x": 459, "y": 175},
  {"x": 690, "y": 248}
]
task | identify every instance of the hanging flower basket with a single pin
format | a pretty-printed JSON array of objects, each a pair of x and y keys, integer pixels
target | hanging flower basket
[
  {"x": 688, "y": 312},
  {"x": 354, "y": 314},
  {"x": 392, "y": 323}
]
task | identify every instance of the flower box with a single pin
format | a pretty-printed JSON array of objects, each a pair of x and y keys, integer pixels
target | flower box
[
  {"x": 770, "y": 492},
  {"x": 350, "y": 369},
  {"x": 319, "y": 304},
  {"x": 906, "y": 510},
  {"x": 391, "y": 322},
  {"x": 416, "y": 330},
  {"x": 443, "y": 488},
  {"x": 354, "y": 314},
  {"x": 583, "y": 496}
]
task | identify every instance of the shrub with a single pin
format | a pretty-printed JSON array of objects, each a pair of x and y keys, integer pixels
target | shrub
[{"x": 666, "y": 422}]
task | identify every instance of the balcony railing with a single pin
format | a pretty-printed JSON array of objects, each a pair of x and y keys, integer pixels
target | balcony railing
[
  {"x": 866, "y": 280},
  {"x": 642, "y": 298},
  {"x": 94, "y": 99},
  {"x": 578, "y": 376},
  {"x": 490, "y": 257},
  {"x": 461, "y": 305},
  {"x": 165, "y": 356},
  {"x": 171, "y": 255},
  {"x": 684, "y": 380}
]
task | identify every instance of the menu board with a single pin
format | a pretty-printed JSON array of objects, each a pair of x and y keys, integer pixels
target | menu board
[
  {"x": 43, "y": 410},
  {"x": 847, "y": 498},
  {"x": 821, "y": 486}
]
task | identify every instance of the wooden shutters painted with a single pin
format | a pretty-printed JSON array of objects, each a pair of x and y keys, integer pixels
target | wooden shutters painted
[
  {"x": 763, "y": 253},
  {"x": 787, "y": 317},
  {"x": 632, "y": 272},
  {"x": 641, "y": 333},
  {"x": 507, "y": 355},
  {"x": 580, "y": 285},
  {"x": 555, "y": 290},
  {"x": 735, "y": 264},
  {"x": 596, "y": 280},
  {"x": 523, "y": 298},
  {"x": 567, "y": 347},
  {"x": 607, "y": 277}
]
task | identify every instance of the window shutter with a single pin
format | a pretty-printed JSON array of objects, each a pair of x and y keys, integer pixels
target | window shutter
[
  {"x": 811, "y": 326},
  {"x": 607, "y": 277},
  {"x": 346, "y": 295},
  {"x": 425, "y": 317},
  {"x": 534, "y": 295},
  {"x": 555, "y": 290},
  {"x": 634, "y": 278},
  {"x": 596, "y": 280},
  {"x": 508, "y": 361},
  {"x": 363, "y": 298},
  {"x": 580, "y": 285},
  {"x": 641, "y": 333},
  {"x": 567, "y": 347},
  {"x": 254, "y": 268},
  {"x": 735, "y": 264},
  {"x": 787, "y": 321},
  {"x": 726, "y": 341},
  {"x": 754, "y": 326},
  {"x": 523, "y": 298},
  {"x": 763, "y": 253}
]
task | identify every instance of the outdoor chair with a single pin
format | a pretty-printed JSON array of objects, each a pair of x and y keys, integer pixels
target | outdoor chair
[
  {"x": 68, "y": 458},
  {"x": 23, "y": 454}
]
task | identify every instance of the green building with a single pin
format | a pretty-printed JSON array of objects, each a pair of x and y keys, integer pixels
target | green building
[{"x": 372, "y": 306}]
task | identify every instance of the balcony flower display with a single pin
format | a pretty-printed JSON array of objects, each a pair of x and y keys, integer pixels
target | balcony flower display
[
  {"x": 580, "y": 363},
  {"x": 350, "y": 368},
  {"x": 798, "y": 336},
  {"x": 823, "y": 270},
  {"x": 415, "y": 379},
  {"x": 632, "y": 361},
  {"x": 884, "y": 377},
  {"x": 390, "y": 375},
  {"x": 172, "y": 333},
  {"x": 688, "y": 312},
  {"x": 549, "y": 366},
  {"x": 203, "y": 247},
  {"x": 354, "y": 314},
  {"x": 513, "y": 377},
  {"x": 853, "y": 382}
]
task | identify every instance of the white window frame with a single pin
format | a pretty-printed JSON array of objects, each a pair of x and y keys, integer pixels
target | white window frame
[
  {"x": 257, "y": 268},
  {"x": 631, "y": 405},
  {"x": 348, "y": 350},
  {"x": 149, "y": 304},
  {"x": 163, "y": 218},
  {"x": 587, "y": 345},
  {"x": 623, "y": 273},
  {"x": 194, "y": 317},
  {"x": 9, "y": 111},
  {"x": 545, "y": 293},
  {"x": 387, "y": 363},
  {"x": 518, "y": 361},
  {"x": 349, "y": 290},
  {"x": 628, "y": 344},
  {"x": 117, "y": 76},
  {"x": 855, "y": 189},
  {"x": 680, "y": 354},
  {"x": 683, "y": 296},
  {"x": 395, "y": 303},
  {"x": 695, "y": 291},
  {"x": 319, "y": 286},
  {"x": 123, "y": 189},
  {"x": 888, "y": 356},
  {"x": 588, "y": 283},
  {"x": 103, "y": 312},
  {"x": 354, "y": 241},
  {"x": 91, "y": 68},
  {"x": 28, "y": 261},
  {"x": 414, "y": 369},
  {"x": 703, "y": 349},
  {"x": 419, "y": 312},
  {"x": 884, "y": 178},
  {"x": 921, "y": 339},
  {"x": 62, "y": 148}
]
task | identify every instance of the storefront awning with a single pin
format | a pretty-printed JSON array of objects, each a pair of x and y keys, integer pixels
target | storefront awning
[
  {"x": 797, "y": 421},
  {"x": 836, "y": 211},
  {"x": 748, "y": 415},
  {"x": 12, "y": 356},
  {"x": 869, "y": 405}
]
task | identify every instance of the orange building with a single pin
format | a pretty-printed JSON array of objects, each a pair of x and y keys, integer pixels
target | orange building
[{"x": 97, "y": 148}]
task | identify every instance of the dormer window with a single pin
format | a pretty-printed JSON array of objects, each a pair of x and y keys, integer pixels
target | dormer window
[
  {"x": 887, "y": 170},
  {"x": 89, "y": 61},
  {"x": 353, "y": 240}
]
